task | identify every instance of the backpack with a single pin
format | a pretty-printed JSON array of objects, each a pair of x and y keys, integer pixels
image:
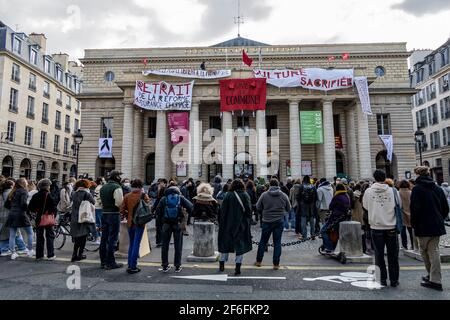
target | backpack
[
  {"x": 308, "y": 194},
  {"x": 142, "y": 213},
  {"x": 172, "y": 206}
]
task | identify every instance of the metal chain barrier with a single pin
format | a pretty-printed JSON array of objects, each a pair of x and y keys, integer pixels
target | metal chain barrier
[{"x": 285, "y": 244}]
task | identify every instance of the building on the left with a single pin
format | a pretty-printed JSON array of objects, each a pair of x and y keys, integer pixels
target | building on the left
[{"x": 39, "y": 112}]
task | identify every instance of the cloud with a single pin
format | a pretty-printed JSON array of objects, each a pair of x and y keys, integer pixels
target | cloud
[{"x": 421, "y": 7}]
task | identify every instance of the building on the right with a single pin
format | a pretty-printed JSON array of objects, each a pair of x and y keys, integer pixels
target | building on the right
[{"x": 430, "y": 75}]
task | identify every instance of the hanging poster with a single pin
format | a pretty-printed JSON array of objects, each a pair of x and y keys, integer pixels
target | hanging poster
[
  {"x": 242, "y": 94},
  {"x": 181, "y": 169},
  {"x": 388, "y": 141},
  {"x": 306, "y": 168},
  {"x": 311, "y": 127},
  {"x": 288, "y": 168},
  {"x": 105, "y": 148},
  {"x": 190, "y": 73},
  {"x": 363, "y": 90},
  {"x": 163, "y": 96},
  {"x": 179, "y": 127}
]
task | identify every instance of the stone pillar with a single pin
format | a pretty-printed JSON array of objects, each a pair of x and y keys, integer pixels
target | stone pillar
[
  {"x": 261, "y": 146},
  {"x": 365, "y": 158},
  {"x": 127, "y": 141},
  {"x": 203, "y": 243},
  {"x": 137, "y": 171},
  {"x": 294, "y": 140},
  {"x": 194, "y": 142},
  {"x": 227, "y": 146},
  {"x": 350, "y": 235},
  {"x": 162, "y": 161},
  {"x": 329, "y": 145},
  {"x": 352, "y": 156}
]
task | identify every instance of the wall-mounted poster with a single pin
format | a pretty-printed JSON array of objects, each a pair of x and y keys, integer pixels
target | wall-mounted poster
[
  {"x": 306, "y": 168},
  {"x": 105, "y": 148},
  {"x": 311, "y": 127},
  {"x": 181, "y": 169}
]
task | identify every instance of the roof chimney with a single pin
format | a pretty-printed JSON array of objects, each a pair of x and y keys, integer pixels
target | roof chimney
[
  {"x": 40, "y": 39},
  {"x": 62, "y": 59}
]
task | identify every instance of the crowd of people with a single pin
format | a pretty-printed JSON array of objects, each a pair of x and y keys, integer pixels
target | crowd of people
[{"x": 413, "y": 210}]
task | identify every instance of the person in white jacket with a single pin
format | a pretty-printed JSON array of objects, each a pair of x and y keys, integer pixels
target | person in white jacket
[
  {"x": 325, "y": 193},
  {"x": 379, "y": 201}
]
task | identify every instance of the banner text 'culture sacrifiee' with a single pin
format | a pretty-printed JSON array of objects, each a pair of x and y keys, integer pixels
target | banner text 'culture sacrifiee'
[{"x": 163, "y": 96}]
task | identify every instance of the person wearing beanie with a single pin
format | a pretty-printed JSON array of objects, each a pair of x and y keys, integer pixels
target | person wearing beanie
[
  {"x": 42, "y": 202},
  {"x": 429, "y": 208}
]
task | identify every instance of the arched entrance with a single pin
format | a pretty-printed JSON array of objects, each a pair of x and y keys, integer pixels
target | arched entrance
[
  {"x": 25, "y": 169},
  {"x": 243, "y": 166},
  {"x": 54, "y": 171},
  {"x": 150, "y": 169},
  {"x": 390, "y": 167},
  {"x": 7, "y": 167},
  {"x": 40, "y": 170},
  {"x": 340, "y": 170},
  {"x": 104, "y": 167}
]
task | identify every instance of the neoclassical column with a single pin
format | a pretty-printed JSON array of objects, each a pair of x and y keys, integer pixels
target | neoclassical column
[
  {"x": 365, "y": 158},
  {"x": 227, "y": 146},
  {"x": 127, "y": 141},
  {"x": 329, "y": 145},
  {"x": 162, "y": 161},
  {"x": 294, "y": 140},
  {"x": 261, "y": 144},
  {"x": 194, "y": 141},
  {"x": 352, "y": 156},
  {"x": 137, "y": 171}
]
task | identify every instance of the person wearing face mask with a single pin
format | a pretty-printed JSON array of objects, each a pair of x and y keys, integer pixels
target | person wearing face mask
[{"x": 126, "y": 186}]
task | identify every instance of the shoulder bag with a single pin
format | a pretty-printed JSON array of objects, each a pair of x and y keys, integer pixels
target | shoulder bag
[
  {"x": 86, "y": 212},
  {"x": 398, "y": 213},
  {"x": 47, "y": 219}
]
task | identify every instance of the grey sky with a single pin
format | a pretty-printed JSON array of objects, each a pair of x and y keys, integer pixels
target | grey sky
[{"x": 74, "y": 25}]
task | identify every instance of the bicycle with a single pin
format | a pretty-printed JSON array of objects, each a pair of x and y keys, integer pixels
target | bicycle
[{"x": 62, "y": 230}]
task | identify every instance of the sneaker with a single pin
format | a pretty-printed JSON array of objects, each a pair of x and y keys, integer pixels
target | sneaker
[
  {"x": 432, "y": 285},
  {"x": 276, "y": 267},
  {"x": 14, "y": 256},
  {"x": 31, "y": 254},
  {"x": 258, "y": 264},
  {"x": 51, "y": 258},
  {"x": 5, "y": 254},
  {"x": 114, "y": 266},
  {"x": 165, "y": 269},
  {"x": 40, "y": 259},
  {"x": 178, "y": 269},
  {"x": 133, "y": 271},
  {"x": 395, "y": 284},
  {"x": 426, "y": 278},
  {"x": 24, "y": 251}
]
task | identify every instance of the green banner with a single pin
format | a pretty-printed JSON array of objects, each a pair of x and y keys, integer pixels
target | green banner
[{"x": 311, "y": 127}]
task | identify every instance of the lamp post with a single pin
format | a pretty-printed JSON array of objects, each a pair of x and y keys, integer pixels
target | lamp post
[
  {"x": 78, "y": 139},
  {"x": 419, "y": 140}
]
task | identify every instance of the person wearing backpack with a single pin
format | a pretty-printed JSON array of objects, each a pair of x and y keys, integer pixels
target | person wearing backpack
[
  {"x": 306, "y": 200},
  {"x": 170, "y": 213},
  {"x": 129, "y": 208}
]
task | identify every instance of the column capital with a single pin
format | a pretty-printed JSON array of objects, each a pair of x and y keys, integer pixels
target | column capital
[
  {"x": 196, "y": 101},
  {"x": 294, "y": 101},
  {"x": 327, "y": 99}
]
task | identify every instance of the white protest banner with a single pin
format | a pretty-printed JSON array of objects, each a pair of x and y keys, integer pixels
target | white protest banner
[
  {"x": 388, "y": 141},
  {"x": 308, "y": 78},
  {"x": 363, "y": 90},
  {"x": 163, "y": 96},
  {"x": 189, "y": 73},
  {"x": 105, "y": 148}
]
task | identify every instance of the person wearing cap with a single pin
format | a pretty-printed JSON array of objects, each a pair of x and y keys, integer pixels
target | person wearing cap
[
  {"x": 111, "y": 196},
  {"x": 429, "y": 208},
  {"x": 41, "y": 203}
]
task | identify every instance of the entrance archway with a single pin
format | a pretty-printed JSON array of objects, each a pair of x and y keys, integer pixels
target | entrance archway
[
  {"x": 25, "y": 169},
  {"x": 340, "y": 169},
  {"x": 390, "y": 167},
  {"x": 214, "y": 165},
  {"x": 54, "y": 171},
  {"x": 150, "y": 169},
  {"x": 243, "y": 166},
  {"x": 8, "y": 167},
  {"x": 40, "y": 170},
  {"x": 104, "y": 167}
]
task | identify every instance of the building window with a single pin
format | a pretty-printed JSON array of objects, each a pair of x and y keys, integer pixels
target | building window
[
  {"x": 445, "y": 108},
  {"x": 446, "y": 136},
  {"x": 43, "y": 143},
  {"x": 68, "y": 81},
  {"x": 46, "y": 89},
  {"x": 58, "y": 120},
  {"x": 11, "y": 134},
  {"x": 444, "y": 83},
  {"x": 59, "y": 75},
  {"x": 17, "y": 45},
  {"x": 15, "y": 74},
  {"x": 107, "y": 126},
  {"x": 151, "y": 128},
  {"x": 32, "y": 83},
  {"x": 47, "y": 65},
  {"x": 13, "y": 100},
  {"x": 67, "y": 124},
  {"x": 383, "y": 124},
  {"x": 30, "y": 108},
  {"x": 431, "y": 92},
  {"x": 215, "y": 123},
  {"x": 380, "y": 71},
  {"x": 66, "y": 146},
  {"x": 243, "y": 126},
  {"x": 59, "y": 97},
  {"x": 45, "y": 113},
  {"x": 76, "y": 125},
  {"x": 271, "y": 124},
  {"x": 33, "y": 56},
  {"x": 77, "y": 87},
  {"x": 109, "y": 76},
  {"x": 28, "y": 136},
  {"x": 69, "y": 102},
  {"x": 56, "y": 144},
  {"x": 78, "y": 107},
  {"x": 445, "y": 57},
  {"x": 433, "y": 115},
  {"x": 420, "y": 73},
  {"x": 435, "y": 140},
  {"x": 422, "y": 119},
  {"x": 431, "y": 68}
]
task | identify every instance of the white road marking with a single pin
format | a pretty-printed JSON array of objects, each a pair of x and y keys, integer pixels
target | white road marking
[{"x": 225, "y": 277}]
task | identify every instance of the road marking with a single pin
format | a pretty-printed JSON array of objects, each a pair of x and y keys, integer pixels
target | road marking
[{"x": 225, "y": 277}]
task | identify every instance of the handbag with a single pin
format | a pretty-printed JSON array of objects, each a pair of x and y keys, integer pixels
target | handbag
[
  {"x": 47, "y": 219},
  {"x": 398, "y": 214},
  {"x": 86, "y": 212}
]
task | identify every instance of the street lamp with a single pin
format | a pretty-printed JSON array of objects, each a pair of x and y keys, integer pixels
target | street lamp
[
  {"x": 78, "y": 139},
  {"x": 419, "y": 135}
]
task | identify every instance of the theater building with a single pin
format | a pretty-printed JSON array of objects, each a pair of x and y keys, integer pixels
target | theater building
[{"x": 349, "y": 144}]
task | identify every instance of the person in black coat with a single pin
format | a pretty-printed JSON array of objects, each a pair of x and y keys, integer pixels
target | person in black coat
[
  {"x": 41, "y": 203},
  {"x": 429, "y": 208}
]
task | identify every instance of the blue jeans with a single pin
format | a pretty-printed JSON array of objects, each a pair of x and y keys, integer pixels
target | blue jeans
[
  {"x": 98, "y": 222},
  {"x": 327, "y": 243},
  {"x": 4, "y": 244},
  {"x": 135, "y": 233},
  {"x": 268, "y": 229},
  {"x": 110, "y": 235},
  {"x": 289, "y": 219},
  {"x": 224, "y": 258},
  {"x": 312, "y": 226},
  {"x": 13, "y": 236}
]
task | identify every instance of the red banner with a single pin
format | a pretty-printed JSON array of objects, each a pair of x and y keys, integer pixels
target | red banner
[
  {"x": 179, "y": 127},
  {"x": 243, "y": 94}
]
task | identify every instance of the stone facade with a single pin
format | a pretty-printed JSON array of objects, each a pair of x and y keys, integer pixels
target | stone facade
[{"x": 137, "y": 153}]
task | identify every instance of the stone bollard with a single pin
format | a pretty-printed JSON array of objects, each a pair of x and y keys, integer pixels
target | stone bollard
[
  {"x": 203, "y": 243},
  {"x": 350, "y": 241}
]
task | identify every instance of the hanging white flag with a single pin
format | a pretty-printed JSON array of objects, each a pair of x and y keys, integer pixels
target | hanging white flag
[
  {"x": 105, "y": 148},
  {"x": 388, "y": 141},
  {"x": 363, "y": 90}
]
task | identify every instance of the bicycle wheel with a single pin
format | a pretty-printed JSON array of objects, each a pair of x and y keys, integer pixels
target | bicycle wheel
[
  {"x": 60, "y": 238},
  {"x": 91, "y": 244}
]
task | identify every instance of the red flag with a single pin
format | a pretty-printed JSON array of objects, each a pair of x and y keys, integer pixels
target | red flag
[
  {"x": 331, "y": 58},
  {"x": 246, "y": 59},
  {"x": 346, "y": 56}
]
